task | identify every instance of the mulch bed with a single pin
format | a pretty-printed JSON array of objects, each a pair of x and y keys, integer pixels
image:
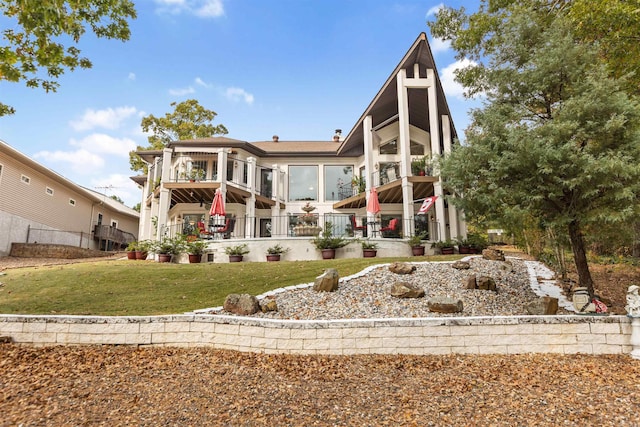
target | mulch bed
[{"x": 171, "y": 386}]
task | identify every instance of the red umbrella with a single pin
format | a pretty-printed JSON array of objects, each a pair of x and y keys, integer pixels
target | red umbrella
[
  {"x": 217, "y": 206},
  {"x": 373, "y": 205}
]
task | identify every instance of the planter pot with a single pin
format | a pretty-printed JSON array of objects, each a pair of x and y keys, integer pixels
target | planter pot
[
  {"x": 328, "y": 253},
  {"x": 164, "y": 257},
  {"x": 273, "y": 257},
  {"x": 447, "y": 251},
  {"x": 141, "y": 255},
  {"x": 417, "y": 250},
  {"x": 369, "y": 253},
  {"x": 131, "y": 255},
  {"x": 195, "y": 259},
  {"x": 235, "y": 258},
  {"x": 465, "y": 249}
]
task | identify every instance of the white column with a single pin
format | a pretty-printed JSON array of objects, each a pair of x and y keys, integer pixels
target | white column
[
  {"x": 165, "y": 193},
  {"x": 440, "y": 217},
  {"x": 446, "y": 134},
  {"x": 404, "y": 143},
  {"x": 434, "y": 128},
  {"x": 278, "y": 226},
  {"x": 250, "y": 208}
]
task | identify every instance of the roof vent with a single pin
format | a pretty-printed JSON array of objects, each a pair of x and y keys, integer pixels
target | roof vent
[{"x": 275, "y": 138}]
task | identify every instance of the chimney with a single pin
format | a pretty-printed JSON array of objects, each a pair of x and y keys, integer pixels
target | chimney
[
  {"x": 336, "y": 137},
  {"x": 275, "y": 138}
]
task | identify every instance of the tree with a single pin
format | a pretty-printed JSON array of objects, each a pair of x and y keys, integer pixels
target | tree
[
  {"x": 557, "y": 138},
  {"x": 189, "y": 120},
  {"x": 34, "y": 39}
]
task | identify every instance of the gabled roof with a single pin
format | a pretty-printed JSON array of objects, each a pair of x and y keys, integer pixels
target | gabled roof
[{"x": 384, "y": 105}]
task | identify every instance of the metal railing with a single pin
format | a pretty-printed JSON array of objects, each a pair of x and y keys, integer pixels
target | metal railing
[{"x": 293, "y": 225}]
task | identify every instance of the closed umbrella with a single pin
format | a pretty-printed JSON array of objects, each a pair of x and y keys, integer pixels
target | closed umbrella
[
  {"x": 373, "y": 205},
  {"x": 217, "y": 206}
]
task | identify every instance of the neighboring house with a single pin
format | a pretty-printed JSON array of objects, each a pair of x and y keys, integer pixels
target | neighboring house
[
  {"x": 267, "y": 184},
  {"x": 38, "y": 205}
]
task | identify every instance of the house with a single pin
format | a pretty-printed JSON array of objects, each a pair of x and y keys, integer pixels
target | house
[
  {"x": 37, "y": 205},
  {"x": 289, "y": 189}
]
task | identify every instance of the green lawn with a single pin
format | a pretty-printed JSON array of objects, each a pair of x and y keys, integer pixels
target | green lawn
[{"x": 121, "y": 288}]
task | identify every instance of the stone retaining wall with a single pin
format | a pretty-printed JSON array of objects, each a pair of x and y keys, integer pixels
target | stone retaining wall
[{"x": 476, "y": 335}]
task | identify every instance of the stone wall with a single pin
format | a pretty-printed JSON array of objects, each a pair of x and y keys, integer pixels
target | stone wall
[
  {"x": 41, "y": 250},
  {"x": 473, "y": 335}
]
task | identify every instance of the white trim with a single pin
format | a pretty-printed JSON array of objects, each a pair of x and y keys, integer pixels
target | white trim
[{"x": 25, "y": 179}]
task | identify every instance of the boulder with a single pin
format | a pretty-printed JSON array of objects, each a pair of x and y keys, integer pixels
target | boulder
[
  {"x": 506, "y": 267},
  {"x": 242, "y": 304},
  {"x": 493, "y": 254},
  {"x": 327, "y": 281},
  {"x": 402, "y": 268},
  {"x": 543, "y": 305},
  {"x": 406, "y": 290},
  {"x": 267, "y": 305},
  {"x": 461, "y": 265},
  {"x": 486, "y": 283},
  {"x": 445, "y": 305},
  {"x": 470, "y": 282}
]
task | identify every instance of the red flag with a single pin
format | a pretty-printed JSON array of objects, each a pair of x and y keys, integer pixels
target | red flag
[{"x": 426, "y": 205}]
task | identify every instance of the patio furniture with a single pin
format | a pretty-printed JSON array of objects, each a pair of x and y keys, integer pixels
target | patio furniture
[
  {"x": 356, "y": 227},
  {"x": 390, "y": 230}
]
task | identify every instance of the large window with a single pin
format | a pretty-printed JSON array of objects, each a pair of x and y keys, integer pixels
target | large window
[
  {"x": 389, "y": 147},
  {"x": 417, "y": 149},
  {"x": 303, "y": 183},
  {"x": 337, "y": 182}
]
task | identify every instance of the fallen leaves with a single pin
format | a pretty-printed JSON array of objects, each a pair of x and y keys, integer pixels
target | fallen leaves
[{"x": 173, "y": 386}]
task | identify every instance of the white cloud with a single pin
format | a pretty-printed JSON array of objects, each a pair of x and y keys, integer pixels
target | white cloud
[
  {"x": 439, "y": 45},
  {"x": 450, "y": 86},
  {"x": 201, "y": 82},
  {"x": 109, "y": 118},
  {"x": 435, "y": 9},
  {"x": 105, "y": 144},
  {"x": 81, "y": 161},
  {"x": 237, "y": 94},
  {"x": 181, "y": 92},
  {"x": 131, "y": 76},
  {"x": 200, "y": 8},
  {"x": 210, "y": 9}
]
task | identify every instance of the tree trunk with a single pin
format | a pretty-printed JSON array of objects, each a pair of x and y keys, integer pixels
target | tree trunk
[{"x": 580, "y": 257}]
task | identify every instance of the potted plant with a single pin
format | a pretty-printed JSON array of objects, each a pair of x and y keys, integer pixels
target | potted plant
[
  {"x": 464, "y": 246},
  {"x": 359, "y": 184},
  {"x": 447, "y": 247},
  {"x": 131, "y": 250},
  {"x": 142, "y": 249},
  {"x": 477, "y": 242},
  {"x": 369, "y": 248},
  {"x": 275, "y": 252},
  {"x": 168, "y": 247},
  {"x": 195, "y": 249},
  {"x": 418, "y": 165},
  {"x": 415, "y": 242},
  {"x": 327, "y": 243},
  {"x": 236, "y": 252}
]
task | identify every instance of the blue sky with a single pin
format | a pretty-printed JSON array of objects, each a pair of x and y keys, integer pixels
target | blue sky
[{"x": 295, "y": 68}]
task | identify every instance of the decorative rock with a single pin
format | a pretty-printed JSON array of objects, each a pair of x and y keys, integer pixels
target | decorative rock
[
  {"x": 242, "y": 304},
  {"x": 470, "y": 282},
  {"x": 5, "y": 340},
  {"x": 633, "y": 301},
  {"x": 506, "y": 267},
  {"x": 267, "y": 305},
  {"x": 402, "y": 268},
  {"x": 543, "y": 305},
  {"x": 406, "y": 290},
  {"x": 493, "y": 254},
  {"x": 327, "y": 281},
  {"x": 461, "y": 265},
  {"x": 486, "y": 283},
  {"x": 445, "y": 305}
]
